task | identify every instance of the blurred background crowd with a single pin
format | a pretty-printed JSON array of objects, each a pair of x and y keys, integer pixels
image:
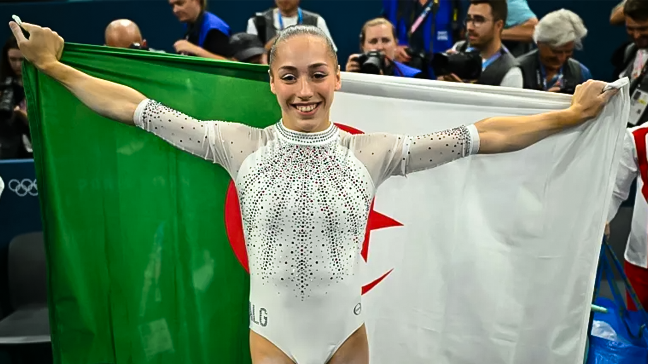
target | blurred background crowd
[{"x": 490, "y": 42}]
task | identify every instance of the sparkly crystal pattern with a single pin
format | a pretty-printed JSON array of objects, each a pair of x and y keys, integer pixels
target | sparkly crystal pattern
[
  {"x": 304, "y": 203},
  {"x": 305, "y": 197}
]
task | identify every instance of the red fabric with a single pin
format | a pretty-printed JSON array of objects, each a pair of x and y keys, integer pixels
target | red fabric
[{"x": 638, "y": 278}]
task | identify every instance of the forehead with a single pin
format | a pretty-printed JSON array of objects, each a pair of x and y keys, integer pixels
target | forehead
[
  {"x": 177, "y": 2},
  {"x": 377, "y": 31},
  {"x": 301, "y": 51},
  {"x": 479, "y": 9},
  {"x": 14, "y": 53},
  {"x": 631, "y": 23},
  {"x": 567, "y": 47}
]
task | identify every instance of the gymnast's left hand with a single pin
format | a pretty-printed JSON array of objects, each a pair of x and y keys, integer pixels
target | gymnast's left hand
[
  {"x": 44, "y": 46},
  {"x": 589, "y": 99}
]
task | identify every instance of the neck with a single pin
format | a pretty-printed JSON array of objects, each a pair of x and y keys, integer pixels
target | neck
[
  {"x": 313, "y": 128},
  {"x": 550, "y": 71},
  {"x": 491, "y": 48},
  {"x": 195, "y": 18},
  {"x": 288, "y": 13}
]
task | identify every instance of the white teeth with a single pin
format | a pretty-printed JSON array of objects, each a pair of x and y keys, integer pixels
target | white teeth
[{"x": 307, "y": 108}]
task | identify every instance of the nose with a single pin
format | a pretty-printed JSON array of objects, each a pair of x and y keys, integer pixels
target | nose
[
  {"x": 305, "y": 91},
  {"x": 635, "y": 34},
  {"x": 562, "y": 57}
]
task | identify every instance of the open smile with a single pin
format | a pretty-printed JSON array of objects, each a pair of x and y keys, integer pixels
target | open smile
[{"x": 307, "y": 109}]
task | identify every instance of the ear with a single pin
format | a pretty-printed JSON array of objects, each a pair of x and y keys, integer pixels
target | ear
[
  {"x": 500, "y": 25},
  {"x": 338, "y": 79},
  {"x": 272, "y": 86}
]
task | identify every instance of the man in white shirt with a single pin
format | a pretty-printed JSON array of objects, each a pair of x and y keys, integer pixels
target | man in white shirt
[
  {"x": 287, "y": 13},
  {"x": 634, "y": 164}
]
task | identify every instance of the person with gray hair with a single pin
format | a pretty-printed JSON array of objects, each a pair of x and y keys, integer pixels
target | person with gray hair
[{"x": 551, "y": 67}]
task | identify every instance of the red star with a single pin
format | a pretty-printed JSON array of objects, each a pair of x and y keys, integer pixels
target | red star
[
  {"x": 376, "y": 221},
  {"x": 234, "y": 226}
]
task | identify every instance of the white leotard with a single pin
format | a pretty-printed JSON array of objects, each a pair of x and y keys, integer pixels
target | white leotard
[{"x": 305, "y": 200}]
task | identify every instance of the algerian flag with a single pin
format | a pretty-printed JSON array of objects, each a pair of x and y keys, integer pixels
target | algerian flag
[{"x": 489, "y": 259}]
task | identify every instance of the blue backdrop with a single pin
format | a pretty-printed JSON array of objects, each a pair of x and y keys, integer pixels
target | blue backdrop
[{"x": 85, "y": 21}]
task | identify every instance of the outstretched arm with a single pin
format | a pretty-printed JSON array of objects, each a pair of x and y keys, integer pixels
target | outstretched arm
[
  {"x": 44, "y": 48},
  {"x": 205, "y": 139},
  {"x": 387, "y": 154},
  {"x": 512, "y": 133}
]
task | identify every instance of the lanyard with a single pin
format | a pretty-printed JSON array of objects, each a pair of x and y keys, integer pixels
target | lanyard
[
  {"x": 492, "y": 59},
  {"x": 300, "y": 18},
  {"x": 638, "y": 65},
  {"x": 542, "y": 77},
  {"x": 424, "y": 14}
]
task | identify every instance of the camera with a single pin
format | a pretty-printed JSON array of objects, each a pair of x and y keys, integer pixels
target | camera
[
  {"x": 466, "y": 65},
  {"x": 7, "y": 98},
  {"x": 138, "y": 46},
  {"x": 567, "y": 87},
  {"x": 372, "y": 62}
]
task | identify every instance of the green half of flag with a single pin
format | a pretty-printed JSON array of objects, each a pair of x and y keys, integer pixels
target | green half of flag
[{"x": 140, "y": 266}]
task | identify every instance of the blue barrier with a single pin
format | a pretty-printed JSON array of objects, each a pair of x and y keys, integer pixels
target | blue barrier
[{"x": 19, "y": 212}]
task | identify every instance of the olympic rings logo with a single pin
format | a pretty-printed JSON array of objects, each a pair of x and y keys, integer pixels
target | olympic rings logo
[{"x": 24, "y": 187}]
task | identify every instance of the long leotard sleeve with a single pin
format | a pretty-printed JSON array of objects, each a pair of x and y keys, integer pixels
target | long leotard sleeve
[
  {"x": 386, "y": 155},
  {"x": 221, "y": 142}
]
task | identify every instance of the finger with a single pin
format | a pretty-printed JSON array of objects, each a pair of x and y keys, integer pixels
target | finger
[
  {"x": 29, "y": 27},
  {"x": 607, "y": 95},
  {"x": 17, "y": 32}
]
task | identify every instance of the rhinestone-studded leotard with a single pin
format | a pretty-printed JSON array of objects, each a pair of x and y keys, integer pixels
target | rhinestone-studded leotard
[{"x": 305, "y": 199}]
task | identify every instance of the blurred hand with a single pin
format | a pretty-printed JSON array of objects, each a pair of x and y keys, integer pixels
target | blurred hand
[
  {"x": 588, "y": 100},
  {"x": 401, "y": 54},
  {"x": 554, "y": 89},
  {"x": 20, "y": 112},
  {"x": 44, "y": 46},
  {"x": 184, "y": 46},
  {"x": 269, "y": 44},
  {"x": 450, "y": 78},
  {"x": 607, "y": 231},
  {"x": 352, "y": 64}
]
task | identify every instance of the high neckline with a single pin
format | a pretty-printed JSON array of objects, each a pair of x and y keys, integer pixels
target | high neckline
[{"x": 297, "y": 137}]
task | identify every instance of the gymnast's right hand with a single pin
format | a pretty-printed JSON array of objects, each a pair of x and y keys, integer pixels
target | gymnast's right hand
[{"x": 44, "y": 46}]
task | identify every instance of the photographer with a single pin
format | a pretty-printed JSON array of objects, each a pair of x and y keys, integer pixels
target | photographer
[
  {"x": 378, "y": 44},
  {"x": 482, "y": 59},
  {"x": 124, "y": 33},
  {"x": 15, "y": 139},
  {"x": 551, "y": 67}
]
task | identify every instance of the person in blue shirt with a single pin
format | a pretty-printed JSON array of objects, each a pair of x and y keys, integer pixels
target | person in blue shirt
[
  {"x": 380, "y": 35},
  {"x": 520, "y": 25},
  {"x": 423, "y": 27},
  {"x": 552, "y": 67},
  {"x": 207, "y": 35}
]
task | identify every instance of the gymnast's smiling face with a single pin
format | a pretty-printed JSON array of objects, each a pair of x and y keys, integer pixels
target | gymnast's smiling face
[{"x": 304, "y": 74}]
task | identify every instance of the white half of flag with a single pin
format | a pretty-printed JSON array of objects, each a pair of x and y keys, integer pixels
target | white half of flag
[{"x": 495, "y": 257}]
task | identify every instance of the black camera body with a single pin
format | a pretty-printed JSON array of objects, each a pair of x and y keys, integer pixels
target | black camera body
[
  {"x": 372, "y": 62},
  {"x": 139, "y": 46},
  {"x": 466, "y": 65},
  {"x": 567, "y": 87}
]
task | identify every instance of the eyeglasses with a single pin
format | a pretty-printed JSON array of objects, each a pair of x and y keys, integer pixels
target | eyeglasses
[{"x": 476, "y": 20}]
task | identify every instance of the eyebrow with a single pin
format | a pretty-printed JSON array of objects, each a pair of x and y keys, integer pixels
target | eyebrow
[{"x": 293, "y": 68}]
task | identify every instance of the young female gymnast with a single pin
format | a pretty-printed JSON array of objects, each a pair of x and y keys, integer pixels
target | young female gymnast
[{"x": 305, "y": 187}]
